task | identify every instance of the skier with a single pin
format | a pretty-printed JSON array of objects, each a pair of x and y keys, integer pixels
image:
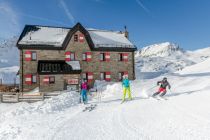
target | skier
[
  {"x": 126, "y": 87},
  {"x": 163, "y": 84},
  {"x": 84, "y": 88}
]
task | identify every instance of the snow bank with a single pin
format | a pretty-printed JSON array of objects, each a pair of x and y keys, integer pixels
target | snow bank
[
  {"x": 203, "y": 67},
  {"x": 48, "y": 106}
]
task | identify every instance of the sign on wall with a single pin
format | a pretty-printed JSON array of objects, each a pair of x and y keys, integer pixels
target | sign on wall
[{"x": 73, "y": 81}]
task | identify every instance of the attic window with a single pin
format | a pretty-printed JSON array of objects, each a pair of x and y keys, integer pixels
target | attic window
[{"x": 75, "y": 38}]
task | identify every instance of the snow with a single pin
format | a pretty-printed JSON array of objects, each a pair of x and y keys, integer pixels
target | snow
[
  {"x": 109, "y": 39},
  {"x": 41, "y": 35},
  {"x": 45, "y": 36},
  {"x": 75, "y": 65},
  {"x": 185, "y": 115},
  {"x": 166, "y": 58},
  {"x": 162, "y": 49}
]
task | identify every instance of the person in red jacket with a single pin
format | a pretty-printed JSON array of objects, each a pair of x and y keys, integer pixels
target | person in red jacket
[{"x": 163, "y": 85}]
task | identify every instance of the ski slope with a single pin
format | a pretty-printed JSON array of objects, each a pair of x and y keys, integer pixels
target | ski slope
[{"x": 185, "y": 115}]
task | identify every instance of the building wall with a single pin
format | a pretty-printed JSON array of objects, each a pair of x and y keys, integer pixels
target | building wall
[{"x": 95, "y": 65}]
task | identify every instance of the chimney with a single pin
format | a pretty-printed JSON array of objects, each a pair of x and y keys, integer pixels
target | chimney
[{"x": 126, "y": 33}]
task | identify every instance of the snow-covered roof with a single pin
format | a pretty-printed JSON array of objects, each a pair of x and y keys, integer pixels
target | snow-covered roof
[
  {"x": 109, "y": 39},
  {"x": 44, "y": 36},
  {"x": 74, "y": 64},
  {"x": 54, "y": 36}
]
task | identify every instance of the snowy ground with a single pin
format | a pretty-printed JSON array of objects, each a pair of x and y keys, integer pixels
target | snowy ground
[{"x": 185, "y": 115}]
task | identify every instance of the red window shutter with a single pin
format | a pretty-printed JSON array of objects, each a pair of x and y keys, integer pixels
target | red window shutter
[
  {"x": 68, "y": 56},
  {"x": 125, "y": 57},
  {"x": 81, "y": 38},
  {"x": 125, "y": 73},
  {"x": 46, "y": 80},
  {"x": 108, "y": 76},
  {"x": 28, "y": 56},
  {"x": 90, "y": 76},
  {"x": 28, "y": 79},
  {"x": 107, "y": 56},
  {"x": 88, "y": 56}
]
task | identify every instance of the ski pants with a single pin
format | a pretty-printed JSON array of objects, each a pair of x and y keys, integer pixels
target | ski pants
[
  {"x": 125, "y": 90},
  {"x": 163, "y": 90},
  {"x": 84, "y": 95}
]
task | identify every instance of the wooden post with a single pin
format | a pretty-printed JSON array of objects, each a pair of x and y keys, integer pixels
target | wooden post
[
  {"x": 1, "y": 96},
  {"x": 14, "y": 82},
  {"x": 0, "y": 81}
]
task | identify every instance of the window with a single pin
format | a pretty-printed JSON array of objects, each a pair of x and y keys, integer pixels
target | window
[
  {"x": 102, "y": 76},
  {"x": 34, "y": 56},
  {"x": 87, "y": 76},
  {"x": 102, "y": 56},
  {"x": 120, "y": 57},
  {"x": 69, "y": 56},
  {"x": 72, "y": 56},
  {"x": 120, "y": 75},
  {"x": 84, "y": 56},
  {"x": 75, "y": 38},
  {"x": 52, "y": 79},
  {"x": 84, "y": 76},
  {"x": 34, "y": 79}
]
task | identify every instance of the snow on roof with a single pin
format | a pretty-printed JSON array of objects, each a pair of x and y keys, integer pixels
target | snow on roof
[
  {"x": 45, "y": 36},
  {"x": 109, "y": 39},
  {"x": 74, "y": 64}
]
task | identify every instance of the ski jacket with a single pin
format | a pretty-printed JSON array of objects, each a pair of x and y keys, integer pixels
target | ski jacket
[
  {"x": 84, "y": 86},
  {"x": 126, "y": 83},
  {"x": 164, "y": 84}
]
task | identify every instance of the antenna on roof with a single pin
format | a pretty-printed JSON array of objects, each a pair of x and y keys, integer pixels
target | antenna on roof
[
  {"x": 125, "y": 27},
  {"x": 126, "y": 32}
]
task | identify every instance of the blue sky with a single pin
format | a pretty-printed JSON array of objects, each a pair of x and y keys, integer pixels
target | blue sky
[{"x": 185, "y": 22}]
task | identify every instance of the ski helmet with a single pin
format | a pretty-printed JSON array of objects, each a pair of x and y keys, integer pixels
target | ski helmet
[{"x": 164, "y": 78}]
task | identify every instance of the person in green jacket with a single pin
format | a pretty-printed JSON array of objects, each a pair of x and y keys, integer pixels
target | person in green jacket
[{"x": 126, "y": 87}]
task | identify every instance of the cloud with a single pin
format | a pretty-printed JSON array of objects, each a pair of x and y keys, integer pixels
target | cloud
[
  {"x": 43, "y": 19},
  {"x": 67, "y": 11},
  {"x": 9, "y": 24},
  {"x": 142, "y": 6}
]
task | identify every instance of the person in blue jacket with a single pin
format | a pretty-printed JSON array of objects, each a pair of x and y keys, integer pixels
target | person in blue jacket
[{"x": 126, "y": 87}]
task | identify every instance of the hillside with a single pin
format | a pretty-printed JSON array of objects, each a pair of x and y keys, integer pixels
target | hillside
[{"x": 166, "y": 58}]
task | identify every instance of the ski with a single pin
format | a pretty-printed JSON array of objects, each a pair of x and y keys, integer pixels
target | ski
[{"x": 90, "y": 107}]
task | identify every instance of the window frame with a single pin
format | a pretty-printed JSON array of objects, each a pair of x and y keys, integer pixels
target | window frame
[
  {"x": 51, "y": 82},
  {"x": 120, "y": 57},
  {"x": 104, "y": 76},
  {"x": 72, "y": 54},
  {"x": 103, "y": 57},
  {"x": 32, "y": 79},
  {"x": 76, "y": 38},
  {"x": 32, "y": 54},
  {"x": 84, "y": 56}
]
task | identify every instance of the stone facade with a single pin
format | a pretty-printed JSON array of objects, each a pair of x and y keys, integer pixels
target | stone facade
[{"x": 95, "y": 66}]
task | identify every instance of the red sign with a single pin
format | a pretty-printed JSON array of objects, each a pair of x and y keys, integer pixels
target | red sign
[{"x": 73, "y": 81}]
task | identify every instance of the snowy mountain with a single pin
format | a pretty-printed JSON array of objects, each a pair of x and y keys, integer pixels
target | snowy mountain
[
  {"x": 9, "y": 60},
  {"x": 160, "y": 50},
  {"x": 166, "y": 57}
]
